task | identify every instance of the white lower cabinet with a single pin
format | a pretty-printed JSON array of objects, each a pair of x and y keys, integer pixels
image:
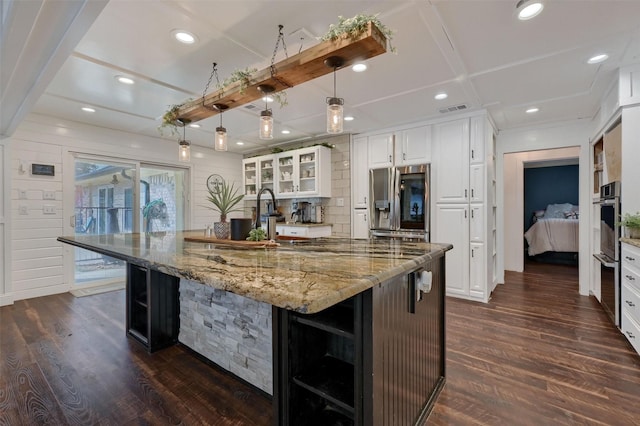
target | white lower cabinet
[
  {"x": 477, "y": 270},
  {"x": 315, "y": 231},
  {"x": 453, "y": 228},
  {"x": 360, "y": 228},
  {"x": 630, "y": 294}
]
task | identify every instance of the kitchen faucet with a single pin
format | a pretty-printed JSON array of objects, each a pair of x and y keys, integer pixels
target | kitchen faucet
[{"x": 273, "y": 198}]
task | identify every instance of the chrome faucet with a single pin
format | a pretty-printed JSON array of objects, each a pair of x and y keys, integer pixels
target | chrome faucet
[{"x": 273, "y": 198}]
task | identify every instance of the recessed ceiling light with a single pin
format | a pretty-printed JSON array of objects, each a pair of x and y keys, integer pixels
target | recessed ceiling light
[
  {"x": 286, "y": 132},
  {"x": 88, "y": 109},
  {"x": 359, "y": 67},
  {"x": 528, "y": 9},
  {"x": 124, "y": 80},
  {"x": 598, "y": 58},
  {"x": 441, "y": 96},
  {"x": 184, "y": 36},
  {"x": 239, "y": 143},
  {"x": 532, "y": 110},
  {"x": 267, "y": 98},
  {"x": 195, "y": 126},
  {"x": 349, "y": 118}
]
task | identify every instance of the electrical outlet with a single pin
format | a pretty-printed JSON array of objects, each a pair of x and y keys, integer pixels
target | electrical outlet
[
  {"x": 23, "y": 210},
  {"x": 49, "y": 195},
  {"x": 49, "y": 209},
  {"x": 22, "y": 194},
  {"x": 340, "y": 202}
]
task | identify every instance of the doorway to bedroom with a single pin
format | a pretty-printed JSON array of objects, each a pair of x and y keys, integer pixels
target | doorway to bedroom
[{"x": 551, "y": 212}]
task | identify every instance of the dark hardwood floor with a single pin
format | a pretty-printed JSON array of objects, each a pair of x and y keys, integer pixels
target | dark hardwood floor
[{"x": 537, "y": 354}]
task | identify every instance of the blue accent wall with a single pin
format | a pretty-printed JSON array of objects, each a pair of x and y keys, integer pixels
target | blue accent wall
[{"x": 549, "y": 185}]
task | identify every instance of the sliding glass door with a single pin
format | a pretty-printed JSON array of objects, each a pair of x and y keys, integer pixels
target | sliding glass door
[
  {"x": 103, "y": 204},
  {"x": 113, "y": 196}
]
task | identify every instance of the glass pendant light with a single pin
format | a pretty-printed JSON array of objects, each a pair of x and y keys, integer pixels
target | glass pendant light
[
  {"x": 184, "y": 146},
  {"x": 184, "y": 151},
  {"x": 335, "y": 110},
  {"x": 266, "y": 116},
  {"x": 221, "y": 133}
]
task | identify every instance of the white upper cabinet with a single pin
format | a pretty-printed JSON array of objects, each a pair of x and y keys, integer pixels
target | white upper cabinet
[
  {"x": 477, "y": 140},
  {"x": 380, "y": 151},
  {"x": 257, "y": 172},
  {"x": 451, "y": 161},
  {"x": 304, "y": 172},
  {"x": 413, "y": 146},
  {"x": 476, "y": 183},
  {"x": 250, "y": 181},
  {"x": 360, "y": 173}
]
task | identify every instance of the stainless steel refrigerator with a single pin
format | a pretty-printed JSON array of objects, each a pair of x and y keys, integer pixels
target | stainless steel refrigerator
[{"x": 399, "y": 202}]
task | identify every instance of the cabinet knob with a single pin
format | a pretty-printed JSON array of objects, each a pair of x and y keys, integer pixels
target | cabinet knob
[
  {"x": 630, "y": 334},
  {"x": 365, "y": 217},
  {"x": 630, "y": 277},
  {"x": 365, "y": 200},
  {"x": 630, "y": 303},
  {"x": 465, "y": 193},
  {"x": 390, "y": 159},
  {"x": 404, "y": 156}
]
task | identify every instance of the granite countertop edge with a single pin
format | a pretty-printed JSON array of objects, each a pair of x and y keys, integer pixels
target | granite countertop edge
[{"x": 631, "y": 241}]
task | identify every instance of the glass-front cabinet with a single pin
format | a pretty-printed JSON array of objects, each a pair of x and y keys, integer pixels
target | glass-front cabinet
[
  {"x": 250, "y": 177},
  {"x": 304, "y": 172}
]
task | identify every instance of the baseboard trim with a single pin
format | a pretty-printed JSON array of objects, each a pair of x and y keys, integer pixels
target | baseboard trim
[
  {"x": 40, "y": 291},
  {"x": 6, "y": 299}
]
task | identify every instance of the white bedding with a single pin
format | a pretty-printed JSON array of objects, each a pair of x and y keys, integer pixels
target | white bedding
[{"x": 552, "y": 235}]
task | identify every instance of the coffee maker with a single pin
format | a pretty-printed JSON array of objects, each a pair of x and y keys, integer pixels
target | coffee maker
[{"x": 300, "y": 212}]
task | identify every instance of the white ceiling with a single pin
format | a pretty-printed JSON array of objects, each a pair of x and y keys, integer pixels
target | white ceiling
[{"x": 475, "y": 50}]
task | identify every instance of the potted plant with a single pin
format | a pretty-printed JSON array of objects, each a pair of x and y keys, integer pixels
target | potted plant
[
  {"x": 632, "y": 223},
  {"x": 224, "y": 198}
]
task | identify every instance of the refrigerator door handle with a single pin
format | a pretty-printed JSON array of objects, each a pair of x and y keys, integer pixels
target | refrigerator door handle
[{"x": 396, "y": 199}]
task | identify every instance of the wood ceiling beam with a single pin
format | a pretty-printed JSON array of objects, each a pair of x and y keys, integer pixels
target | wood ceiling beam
[{"x": 300, "y": 68}]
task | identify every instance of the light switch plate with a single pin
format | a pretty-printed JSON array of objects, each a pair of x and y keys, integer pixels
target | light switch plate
[
  {"x": 23, "y": 210},
  {"x": 48, "y": 209},
  {"x": 340, "y": 202},
  {"x": 49, "y": 195},
  {"x": 22, "y": 194}
]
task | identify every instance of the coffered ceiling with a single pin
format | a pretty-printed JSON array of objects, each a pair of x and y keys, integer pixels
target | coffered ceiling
[{"x": 476, "y": 51}]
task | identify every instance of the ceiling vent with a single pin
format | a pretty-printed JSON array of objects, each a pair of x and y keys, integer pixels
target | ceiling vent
[
  {"x": 453, "y": 108},
  {"x": 250, "y": 106}
]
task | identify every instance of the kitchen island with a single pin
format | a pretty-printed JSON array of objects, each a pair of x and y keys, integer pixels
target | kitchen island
[{"x": 353, "y": 329}]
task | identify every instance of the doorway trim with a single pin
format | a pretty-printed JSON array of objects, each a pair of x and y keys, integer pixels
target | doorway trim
[{"x": 565, "y": 135}]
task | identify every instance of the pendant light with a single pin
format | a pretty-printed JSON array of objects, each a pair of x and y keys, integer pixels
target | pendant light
[
  {"x": 220, "y": 143},
  {"x": 184, "y": 146},
  {"x": 266, "y": 116},
  {"x": 220, "y": 139},
  {"x": 335, "y": 111}
]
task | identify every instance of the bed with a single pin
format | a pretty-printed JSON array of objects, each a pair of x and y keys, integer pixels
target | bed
[{"x": 554, "y": 229}]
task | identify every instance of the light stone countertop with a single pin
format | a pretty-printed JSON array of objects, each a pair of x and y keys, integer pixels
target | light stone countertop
[
  {"x": 305, "y": 277},
  {"x": 303, "y": 225},
  {"x": 632, "y": 241}
]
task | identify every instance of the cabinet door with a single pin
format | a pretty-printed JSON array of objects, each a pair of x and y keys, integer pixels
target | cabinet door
[
  {"x": 451, "y": 161},
  {"x": 380, "y": 150},
  {"x": 476, "y": 183},
  {"x": 360, "y": 173},
  {"x": 285, "y": 174},
  {"x": 477, "y": 268},
  {"x": 414, "y": 146},
  {"x": 476, "y": 143},
  {"x": 476, "y": 223},
  {"x": 267, "y": 169},
  {"x": 360, "y": 224},
  {"x": 451, "y": 226},
  {"x": 250, "y": 177},
  {"x": 306, "y": 172}
]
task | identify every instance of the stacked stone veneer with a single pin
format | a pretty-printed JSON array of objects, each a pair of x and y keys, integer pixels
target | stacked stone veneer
[{"x": 230, "y": 330}]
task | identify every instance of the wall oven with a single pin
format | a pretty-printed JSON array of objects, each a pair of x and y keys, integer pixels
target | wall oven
[{"x": 609, "y": 256}]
